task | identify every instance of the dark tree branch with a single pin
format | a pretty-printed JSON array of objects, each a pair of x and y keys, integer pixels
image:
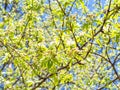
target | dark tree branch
[
  {"x": 61, "y": 7},
  {"x": 108, "y": 84},
  {"x": 71, "y": 7},
  {"x": 52, "y": 13},
  {"x": 101, "y": 28}
]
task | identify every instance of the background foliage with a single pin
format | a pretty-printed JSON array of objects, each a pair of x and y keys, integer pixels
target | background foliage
[{"x": 58, "y": 44}]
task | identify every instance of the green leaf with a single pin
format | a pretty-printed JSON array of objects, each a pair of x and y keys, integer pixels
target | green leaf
[{"x": 50, "y": 63}]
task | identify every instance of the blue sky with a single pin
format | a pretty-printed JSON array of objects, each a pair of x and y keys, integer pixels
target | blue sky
[{"x": 90, "y": 7}]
